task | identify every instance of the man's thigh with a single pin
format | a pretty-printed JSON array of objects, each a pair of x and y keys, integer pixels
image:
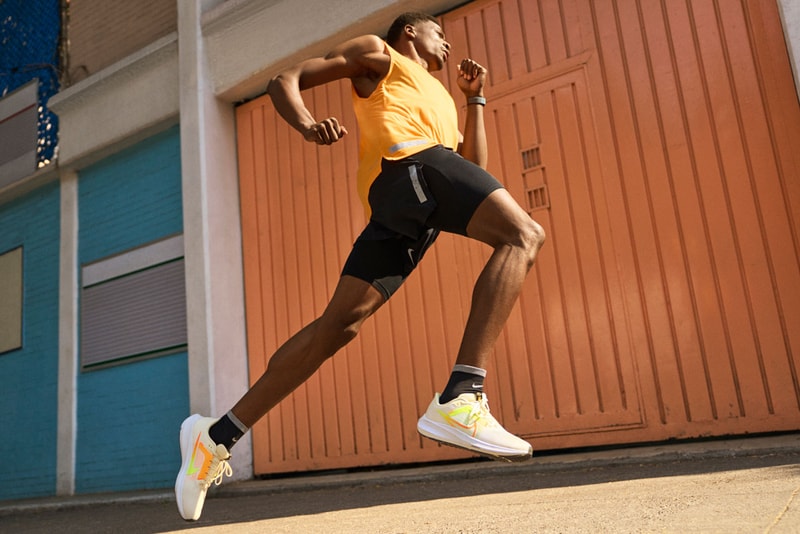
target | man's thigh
[
  {"x": 385, "y": 263},
  {"x": 457, "y": 185}
]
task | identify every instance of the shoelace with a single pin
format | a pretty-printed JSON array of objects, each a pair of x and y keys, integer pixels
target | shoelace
[
  {"x": 480, "y": 411},
  {"x": 219, "y": 468}
]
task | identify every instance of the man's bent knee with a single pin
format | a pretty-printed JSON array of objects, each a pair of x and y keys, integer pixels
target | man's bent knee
[
  {"x": 529, "y": 239},
  {"x": 500, "y": 222},
  {"x": 536, "y": 235}
]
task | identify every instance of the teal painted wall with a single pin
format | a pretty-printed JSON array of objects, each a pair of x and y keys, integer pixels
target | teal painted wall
[
  {"x": 29, "y": 390},
  {"x": 129, "y": 415}
]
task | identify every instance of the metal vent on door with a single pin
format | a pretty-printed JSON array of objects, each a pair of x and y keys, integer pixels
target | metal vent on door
[
  {"x": 538, "y": 198},
  {"x": 533, "y": 171},
  {"x": 531, "y": 158}
]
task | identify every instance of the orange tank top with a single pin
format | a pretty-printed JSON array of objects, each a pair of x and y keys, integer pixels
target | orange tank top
[{"x": 409, "y": 111}]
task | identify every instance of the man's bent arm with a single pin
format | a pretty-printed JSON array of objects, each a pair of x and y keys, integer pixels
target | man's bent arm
[
  {"x": 473, "y": 146},
  {"x": 349, "y": 60}
]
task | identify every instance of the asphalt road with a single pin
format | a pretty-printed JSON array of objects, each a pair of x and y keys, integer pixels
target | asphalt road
[{"x": 718, "y": 489}]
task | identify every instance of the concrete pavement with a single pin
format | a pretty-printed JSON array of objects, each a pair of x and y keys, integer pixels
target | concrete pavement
[{"x": 738, "y": 485}]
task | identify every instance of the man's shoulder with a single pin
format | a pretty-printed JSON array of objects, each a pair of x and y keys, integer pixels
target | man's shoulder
[
  {"x": 363, "y": 45},
  {"x": 371, "y": 53}
]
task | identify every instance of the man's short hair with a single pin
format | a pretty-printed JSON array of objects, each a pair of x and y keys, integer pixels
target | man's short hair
[{"x": 412, "y": 17}]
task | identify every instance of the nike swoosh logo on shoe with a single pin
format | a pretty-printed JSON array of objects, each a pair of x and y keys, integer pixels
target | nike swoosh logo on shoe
[
  {"x": 203, "y": 470},
  {"x": 472, "y": 429}
]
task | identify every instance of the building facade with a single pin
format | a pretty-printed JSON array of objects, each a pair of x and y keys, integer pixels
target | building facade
[{"x": 183, "y": 232}]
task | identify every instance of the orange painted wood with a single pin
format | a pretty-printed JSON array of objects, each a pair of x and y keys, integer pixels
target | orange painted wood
[{"x": 662, "y": 141}]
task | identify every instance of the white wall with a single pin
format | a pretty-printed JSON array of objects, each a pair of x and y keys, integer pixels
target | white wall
[
  {"x": 212, "y": 236},
  {"x": 250, "y": 40},
  {"x": 118, "y": 106},
  {"x": 790, "y": 16}
]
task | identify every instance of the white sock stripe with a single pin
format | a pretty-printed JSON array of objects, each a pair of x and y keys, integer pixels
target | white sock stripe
[
  {"x": 469, "y": 369},
  {"x": 235, "y": 420}
]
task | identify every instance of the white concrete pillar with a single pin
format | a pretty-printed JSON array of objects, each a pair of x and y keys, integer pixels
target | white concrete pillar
[
  {"x": 790, "y": 17},
  {"x": 67, "y": 426},
  {"x": 212, "y": 236}
]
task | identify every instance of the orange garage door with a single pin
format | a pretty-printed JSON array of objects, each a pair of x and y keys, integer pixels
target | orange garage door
[{"x": 657, "y": 144}]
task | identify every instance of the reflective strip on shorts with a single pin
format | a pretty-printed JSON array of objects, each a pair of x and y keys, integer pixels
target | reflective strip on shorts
[{"x": 412, "y": 173}]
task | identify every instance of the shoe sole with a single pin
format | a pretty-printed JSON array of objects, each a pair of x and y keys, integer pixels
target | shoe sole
[
  {"x": 427, "y": 429},
  {"x": 186, "y": 444}
]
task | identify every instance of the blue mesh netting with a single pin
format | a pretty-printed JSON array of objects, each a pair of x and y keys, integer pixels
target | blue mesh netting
[{"x": 29, "y": 39}]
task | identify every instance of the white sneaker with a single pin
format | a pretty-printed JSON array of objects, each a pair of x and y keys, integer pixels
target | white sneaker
[
  {"x": 465, "y": 422},
  {"x": 204, "y": 462}
]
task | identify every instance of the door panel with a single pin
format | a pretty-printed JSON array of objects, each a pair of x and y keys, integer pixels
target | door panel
[
  {"x": 656, "y": 142},
  {"x": 581, "y": 370}
]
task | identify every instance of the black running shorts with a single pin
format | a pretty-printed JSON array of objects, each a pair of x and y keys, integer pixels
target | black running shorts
[{"x": 412, "y": 200}]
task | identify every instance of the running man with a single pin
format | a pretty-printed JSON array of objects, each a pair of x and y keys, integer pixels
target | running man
[{"x": 417, "y": 176}]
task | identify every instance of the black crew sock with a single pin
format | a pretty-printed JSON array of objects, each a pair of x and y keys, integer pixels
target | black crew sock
[
  {"x": 227, "y": 430},
  {"x": 463, "y": 379}
]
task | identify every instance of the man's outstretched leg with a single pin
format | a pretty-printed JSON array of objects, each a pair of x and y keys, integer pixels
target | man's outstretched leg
[
  {"x": 460, "y": 415},
  {"x": 206, "y": 442}
]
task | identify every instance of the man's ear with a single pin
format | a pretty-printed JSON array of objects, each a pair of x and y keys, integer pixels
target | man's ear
[{"x": 410, "y": 31}]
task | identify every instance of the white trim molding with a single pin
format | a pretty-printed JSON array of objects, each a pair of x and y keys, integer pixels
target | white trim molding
[
  {"x": 119, "y": 105},
  {"x": 161, "y": 251},
  {"x": 67, "y": 336}
]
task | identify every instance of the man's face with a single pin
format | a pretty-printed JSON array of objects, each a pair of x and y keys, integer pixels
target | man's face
[{"x": 431, "y": 44}]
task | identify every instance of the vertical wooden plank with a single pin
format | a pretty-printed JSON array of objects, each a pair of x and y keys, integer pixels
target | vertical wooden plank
[
  {"x": 332, "y": 379},
  {"x": 516, "y": 126},
  {"x": 774, "y": 221},
  {"x": 659, "y": 197},
  {"x": 492, "y": 29},
  {"x": 249, "y": 209},
  {"x": 246, "y": 154},
  {"x": 649, "y": 268},
  {"x": 681, "y": 161},
  {"x": 267, "y": 180},
  {"x": 333, "y": 169},
  {"x": 614, "y": 363},
  {"x": 553, "y": 30},
  {"x": 556, "y": 266},
  {"x": 514, "y": 38},
  {"x": 571, "y": 218},
  {"x": 533, "y": 26},
  {"x": 573, "y": 34},
  {"x": 737, "y": 192},
  {"x": 722, "y": 237},
  {"x": 601, "y": 379},
  {"x": 774, "y": 76},
  {"x": 456, "y": 34},
  {"x": 453, "y": 289},
  {"x": 349, "y": 222},
  {"x": 628, "y": 299},
  {"x": 399, "y": 412}
]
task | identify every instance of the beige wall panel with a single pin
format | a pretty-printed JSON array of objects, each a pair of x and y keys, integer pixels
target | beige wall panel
[
  {"x": 102, "y": 32},
  {"x": 11, "y": 300}
]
